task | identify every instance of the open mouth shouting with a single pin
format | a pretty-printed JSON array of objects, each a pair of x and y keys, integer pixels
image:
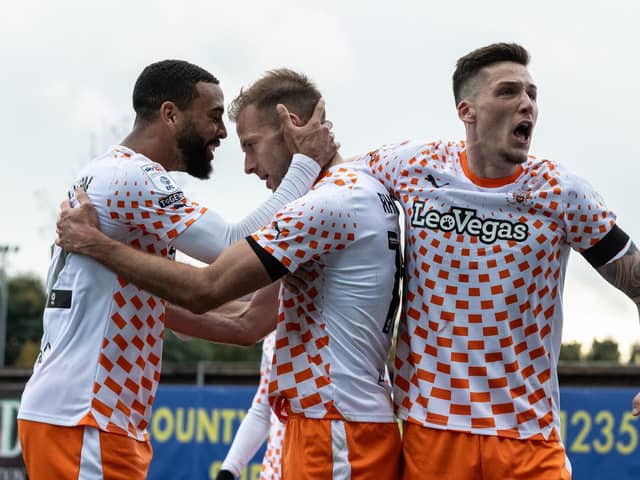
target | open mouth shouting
[{"x": 523, "y": 131}]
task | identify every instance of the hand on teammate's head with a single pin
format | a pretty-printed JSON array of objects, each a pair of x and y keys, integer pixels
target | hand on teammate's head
[{"x": 314, "y": 138}]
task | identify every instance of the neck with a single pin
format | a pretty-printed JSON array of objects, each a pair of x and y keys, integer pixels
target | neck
[
  {"x": 486, "y": 164},
  {"x": 335, "y": 160},
  {"x": 150, "y": 140}
]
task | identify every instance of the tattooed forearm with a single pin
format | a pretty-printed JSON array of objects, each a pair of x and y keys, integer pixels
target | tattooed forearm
[{"x": 624, "y": 274}]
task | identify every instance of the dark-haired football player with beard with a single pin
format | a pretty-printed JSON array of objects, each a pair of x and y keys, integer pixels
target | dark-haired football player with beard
[{"x": 85, "y": 410}]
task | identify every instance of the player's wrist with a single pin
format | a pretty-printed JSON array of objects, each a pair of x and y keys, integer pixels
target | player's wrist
[
  {"x": 97, "y": 245},
  {"x": 305, "y": 163}
]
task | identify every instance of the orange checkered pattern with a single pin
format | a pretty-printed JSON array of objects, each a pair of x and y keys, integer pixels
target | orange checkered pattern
[
  {"x": 319, "y": 227},
  {"x": 301, "y": 372},
  {"x": 130, "y": 355},
  {"x": 99, "y": 362},
  {"x": 271, "y": 463},
  {"x": 480, "y": 329}
]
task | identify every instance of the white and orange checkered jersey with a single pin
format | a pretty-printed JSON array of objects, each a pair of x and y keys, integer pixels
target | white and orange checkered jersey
[
  {"x": 333, "y": 338},
  {"x": 100, "y": 357},
  {"x": 481, "y": 324},
  {"x": 271, "y": 463}
]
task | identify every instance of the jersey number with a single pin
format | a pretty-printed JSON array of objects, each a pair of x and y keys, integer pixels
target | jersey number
[{"x": 394, "y": 244}]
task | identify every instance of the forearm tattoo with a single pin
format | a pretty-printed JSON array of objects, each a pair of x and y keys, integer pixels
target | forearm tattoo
[{"x": 624, "y": 273}]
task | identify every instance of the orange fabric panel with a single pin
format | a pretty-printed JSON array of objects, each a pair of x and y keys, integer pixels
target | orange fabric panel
[
  {"x": 124, "y": 458},
  {"x": 49, "y": 451},
  {"x": 449, "y": 455},
  {"x": 306, "y": 449},
  {"x": 373, "y": 450},
  {"x": 54, "y": 452}
]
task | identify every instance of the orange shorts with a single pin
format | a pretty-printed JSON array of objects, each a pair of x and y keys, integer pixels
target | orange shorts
[
  {"x": 447, "y": 455},
  {"x": 52, "y": 452},
  {"x": 335, "y": 449}
]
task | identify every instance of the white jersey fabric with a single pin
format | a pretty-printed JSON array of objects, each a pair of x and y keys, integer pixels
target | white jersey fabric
[
  {"x": 480, "y": 331},
  {"x": 333, "y": 339},
  {"x": 100, "y": 357}
]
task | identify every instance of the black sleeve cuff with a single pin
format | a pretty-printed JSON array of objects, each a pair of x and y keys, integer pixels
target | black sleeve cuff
[
  {"x": 607, "y": 248},
  {"x": 274, "y": 268}
]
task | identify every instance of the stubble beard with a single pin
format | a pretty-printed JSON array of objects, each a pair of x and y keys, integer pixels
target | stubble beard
[{"x": 195, "y": 152}]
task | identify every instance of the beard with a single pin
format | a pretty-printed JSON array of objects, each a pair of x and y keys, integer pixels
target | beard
[{"x": 195, "y": 152}]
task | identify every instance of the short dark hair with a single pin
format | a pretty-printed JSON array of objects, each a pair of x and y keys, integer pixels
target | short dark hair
[
  {"x": 469, "y": 66},
  {"x": 167, "y": 80},
  {"x": 292, "y": 89}
]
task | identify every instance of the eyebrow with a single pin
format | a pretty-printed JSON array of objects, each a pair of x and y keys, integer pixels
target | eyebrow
[
  {"x": 515, "y": 83},
  {"x": 248, "y": 138}
]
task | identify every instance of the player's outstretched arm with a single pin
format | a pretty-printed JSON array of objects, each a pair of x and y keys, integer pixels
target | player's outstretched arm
[
  {"x": 238, "y": 322},
  {"x": 237, "y": 272},
  {"x": 624, "y": 274},
  {"x": 211, "y": 234}
]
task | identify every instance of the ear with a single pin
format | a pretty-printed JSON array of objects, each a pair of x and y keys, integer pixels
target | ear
[
  {"x": 466, "y": 111},
  {"x": 169, "y": 112},
  {"x": 296, "y": 120}
]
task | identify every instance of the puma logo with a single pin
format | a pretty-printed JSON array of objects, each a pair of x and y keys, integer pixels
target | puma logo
[{"x": 433, "y": 182}]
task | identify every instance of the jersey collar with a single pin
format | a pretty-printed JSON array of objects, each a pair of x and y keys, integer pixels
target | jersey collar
[{"x": 487, "y": 182}]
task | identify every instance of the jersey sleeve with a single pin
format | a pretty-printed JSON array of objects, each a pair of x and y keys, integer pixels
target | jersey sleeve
[
  {"x": 587, "y": 218},
  {"x": 389, "y": 161},
  {"x": 212, "y": 234},
  {"x": 144, "y": 196},
  {"x": 305, "y": 230}
]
